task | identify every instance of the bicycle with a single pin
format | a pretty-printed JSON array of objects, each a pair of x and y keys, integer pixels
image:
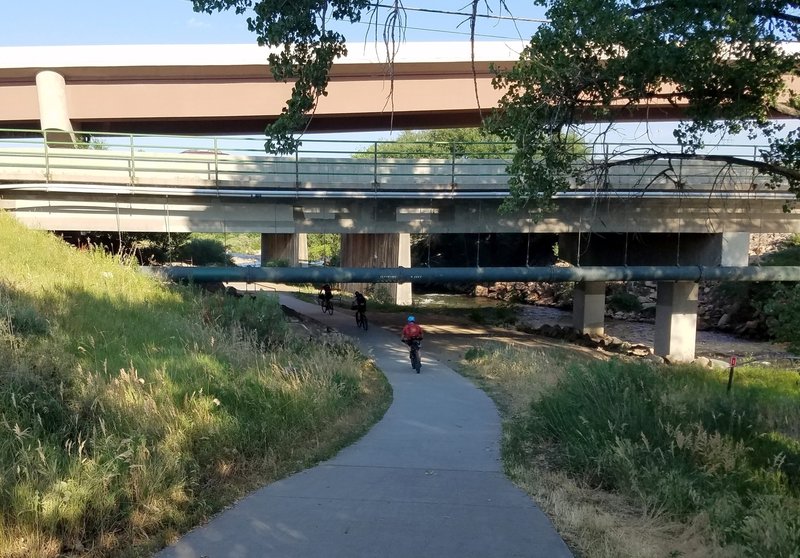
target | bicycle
[
  {"x": 327, "y": 306},
  {"x": 361, "y": 320},
  {"x": 413, "y": 354}
]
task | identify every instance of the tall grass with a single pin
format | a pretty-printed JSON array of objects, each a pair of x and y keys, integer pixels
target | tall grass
[
  {"x": 666, "y": 449},
  {"x": 131, "y": 410}
]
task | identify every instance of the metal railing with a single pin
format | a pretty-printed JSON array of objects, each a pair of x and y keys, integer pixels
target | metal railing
[{"x": 203, "y": 165}]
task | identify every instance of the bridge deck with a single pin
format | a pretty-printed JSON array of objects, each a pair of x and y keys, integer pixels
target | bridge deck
[{"x": 130, "y": 182}]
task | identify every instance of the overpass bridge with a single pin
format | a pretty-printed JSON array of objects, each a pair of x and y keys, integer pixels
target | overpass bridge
[
  {"x": 695, "y": 214},
  {"x": 228, "y": 89}
]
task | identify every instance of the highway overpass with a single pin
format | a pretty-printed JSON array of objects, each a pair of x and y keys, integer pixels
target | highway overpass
[{"x": 227, "y": 89}]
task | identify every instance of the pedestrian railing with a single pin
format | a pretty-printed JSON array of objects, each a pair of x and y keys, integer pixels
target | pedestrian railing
[{"x": 220, "y": 163}]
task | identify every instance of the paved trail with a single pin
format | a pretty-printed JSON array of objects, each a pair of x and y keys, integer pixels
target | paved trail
[{"x": 426, "y": 481}]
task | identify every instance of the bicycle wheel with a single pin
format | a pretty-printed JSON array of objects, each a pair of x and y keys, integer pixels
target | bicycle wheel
[
  {"x": 364, "y": 322},
  {"x": 358, "y": 319},
  {"x": 416, "y": 364},
  {"x": 329, "y": 308}
]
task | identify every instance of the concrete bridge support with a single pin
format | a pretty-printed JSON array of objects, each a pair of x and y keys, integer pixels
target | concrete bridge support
[
  {"x": 676, "y": 307},
  {"x": 588, "y": 307},
  {"x": 735, "y": 249},
  {"x": 51, "y": 90},
  {"x": 292, "y": 248},
  {"x": 676, "y": 320},
  {"x": 379, "y": 250}
]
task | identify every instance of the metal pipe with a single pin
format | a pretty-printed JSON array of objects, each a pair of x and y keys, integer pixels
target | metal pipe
[{"x": 475, "y": 274}]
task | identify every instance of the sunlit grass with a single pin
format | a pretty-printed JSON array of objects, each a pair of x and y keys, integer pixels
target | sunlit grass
[
  {"x": 130, "y": 410},
  {"x": 631, "y": 459}
]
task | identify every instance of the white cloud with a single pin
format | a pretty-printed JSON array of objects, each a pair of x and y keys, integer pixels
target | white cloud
[{"x": 195, "y": 23}]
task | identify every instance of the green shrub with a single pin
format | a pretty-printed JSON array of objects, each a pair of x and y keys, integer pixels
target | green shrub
[
  {"x": 380, "y": 294},
  {"x": 204, "y": 251},
  {"x": 623, "y": 301},
  {"x": 782, "y": 311}
]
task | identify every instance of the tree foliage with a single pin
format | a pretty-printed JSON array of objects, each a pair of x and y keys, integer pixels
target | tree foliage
[
  {"x": 459, "y": 143},
  {"x": 595, "y": 59}
]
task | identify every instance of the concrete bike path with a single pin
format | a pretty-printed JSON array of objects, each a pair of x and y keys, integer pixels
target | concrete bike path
[{"x": 425, "y": 481}]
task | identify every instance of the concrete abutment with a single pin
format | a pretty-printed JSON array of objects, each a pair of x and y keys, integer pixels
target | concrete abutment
[
  {"x": 589, "y": 306},
  {"x": 676, "y": 308},
  {"x": 379, "y": 250},
  {"x": 291, "y": 248}
]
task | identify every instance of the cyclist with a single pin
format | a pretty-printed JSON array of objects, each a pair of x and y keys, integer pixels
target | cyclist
[
  {"x": 411, "y": 332},
  {"x": 325, "y": 294},
  {"x": 360, "y": 306},
  {"x": 359, "y": 303},
  {"x": 412, "y": 336}
]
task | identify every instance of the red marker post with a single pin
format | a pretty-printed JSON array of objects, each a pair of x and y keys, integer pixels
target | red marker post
[{"x": 730, "y": 373}]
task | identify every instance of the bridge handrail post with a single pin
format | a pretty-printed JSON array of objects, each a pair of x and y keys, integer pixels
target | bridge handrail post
[
  {"x": 216, "y": 165},
  {"x": 132, "y": 165},
  {"x": 46, "y": 157},
  {"x": 375, "y": 165},
  {"x": 452, "y": 164},
  {"x": 297, "y": 170}
]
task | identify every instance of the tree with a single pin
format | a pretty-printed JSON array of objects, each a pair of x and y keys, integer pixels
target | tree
[
  {"x": 592, "y": 61},
  {"x": 596, "y": 58},
  {"x": 460, "y": 143}
]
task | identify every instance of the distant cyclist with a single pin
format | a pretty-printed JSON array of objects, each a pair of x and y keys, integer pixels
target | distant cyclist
[
  {"x": 359, "y": 303},
  {"x": 360, "y": 306},
  {"x": 325, "y": 294}
]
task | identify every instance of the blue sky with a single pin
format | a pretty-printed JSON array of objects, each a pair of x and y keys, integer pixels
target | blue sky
[{"x": 96, "y": 22}]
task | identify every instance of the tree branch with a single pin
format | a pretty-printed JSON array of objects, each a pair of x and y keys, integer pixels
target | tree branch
[{"x": 761, "y": 166}]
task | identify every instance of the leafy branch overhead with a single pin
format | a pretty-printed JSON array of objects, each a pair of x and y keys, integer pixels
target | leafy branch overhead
[
  {"x": 724, "y": 61},
  {"x": 304, "y": 51}
]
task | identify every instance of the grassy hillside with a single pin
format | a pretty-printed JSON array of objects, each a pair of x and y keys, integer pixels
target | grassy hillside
[{"x": 131, "y": 410}]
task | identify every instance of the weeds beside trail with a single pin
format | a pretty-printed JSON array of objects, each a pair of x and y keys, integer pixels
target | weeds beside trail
[
  {"x": 631, "y": 459},
  {"x": 132, "y": 410}
]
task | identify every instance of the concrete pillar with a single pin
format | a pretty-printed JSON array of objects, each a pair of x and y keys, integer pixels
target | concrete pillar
[
  {"x": 589, "y": 307},
  {"x": 379, "y": 250},
  {"x": 676, "y": 320},
  {"x": 51, "y": 89},
  {"x": 292, "y": 248},
  {"x": 735, "y": 249}
]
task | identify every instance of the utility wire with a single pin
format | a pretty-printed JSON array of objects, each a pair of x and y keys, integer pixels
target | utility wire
[
  {"x": 462, "y": 33},
  {"x": 465, "y": 14}
]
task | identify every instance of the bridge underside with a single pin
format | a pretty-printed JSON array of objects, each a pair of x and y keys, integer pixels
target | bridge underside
[{"x": 141, "y": 213}]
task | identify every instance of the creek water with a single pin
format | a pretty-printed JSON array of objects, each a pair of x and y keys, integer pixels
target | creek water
[{"x": 712, "y": 344}]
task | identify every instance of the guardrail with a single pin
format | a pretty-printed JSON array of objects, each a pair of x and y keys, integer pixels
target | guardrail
[{"x": 205, "y": 165}]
